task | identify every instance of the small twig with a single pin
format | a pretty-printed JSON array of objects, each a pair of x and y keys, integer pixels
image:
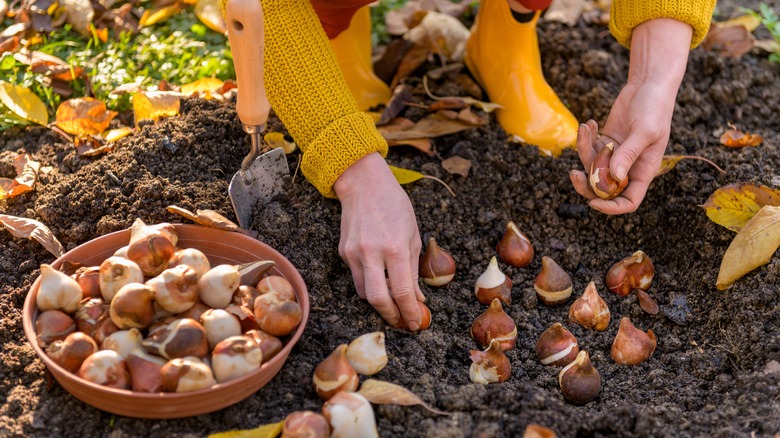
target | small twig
[
  {"x": 442, "y": 183},
  {"x": 694, "y": 157},
  {"x": 298, "y": 166},
  {"x": 62, "y": 133}
]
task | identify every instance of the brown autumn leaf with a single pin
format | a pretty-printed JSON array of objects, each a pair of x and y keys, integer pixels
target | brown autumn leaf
[
  {"x": 32, "y": 229},
  {"x": 484, "y": 106},
  {"x": 49, "y": 65},
  {"x": 728, "y": 40},
  {"x": 386, "y": 66},
  {"x": 668, "y": 162},
  {"x": 401, "y": 95},
  {"x": 412, "y": 60},
  {"x": 457, "y": 165},
  {"x": 441, "y": 34},
  {"x": 91, "y": 146},
  {"x": 83, "y": 116},
  {"x": 447, "y": 103},
  {"x": 646, "y": 302},
  {"x": 734, "y": 138},
  {"x": 154, "y": 105},
  {"x": 422, "y": 144},
  {"x": 734, "y": 205},
  {"x": 468, "y": 84},
  {"x": 752, "y": 247},
  {"x": 433, "y": 125},
  {"x": 27, "y": 175},
  {"x": 385, "y": 393},
  {"x": 209, "y": 218},
  {"x": 79, "y": 14}
]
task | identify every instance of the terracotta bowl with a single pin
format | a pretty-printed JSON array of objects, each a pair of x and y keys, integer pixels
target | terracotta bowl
[{"x": 221, "y": 247}]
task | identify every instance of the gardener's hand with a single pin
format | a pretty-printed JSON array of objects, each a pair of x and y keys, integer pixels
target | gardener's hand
[
  {"x": 640, "y": 119},
  {"x": 379, "y": 234}
]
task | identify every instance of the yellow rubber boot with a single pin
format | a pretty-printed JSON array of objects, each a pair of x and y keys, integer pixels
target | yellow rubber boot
[
  {"x": 503, "y": 55},
  {"x": 353, "y": 53}
]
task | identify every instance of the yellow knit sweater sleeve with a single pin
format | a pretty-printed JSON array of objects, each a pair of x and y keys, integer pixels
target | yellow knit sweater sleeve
[
  {"x": 628, "y": 14},
  {"x": 307, "y": 91}
]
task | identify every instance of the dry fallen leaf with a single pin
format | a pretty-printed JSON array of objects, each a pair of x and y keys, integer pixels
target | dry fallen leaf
[
  {"x": 401, "y": 95},
  {"x": 433, "y": 125},
  {"x": 32, "y": 229},
  {"x": 264, "y": 431},
  {"x": 734, "y": 138},
  {"x": 27, "y": 174},
  {"x": 385, "y": 393},
  {"x": 92, "y": 146},
  {"x": 457, "y": 165},
  {"x": 728, "y": 39},
  {"x": 23, "y": 103},
  {"x": 646, "y": 302},
  {"x": 565, "y": 11},
  {"x": 422, "y": 144},
  {"x": 442, "y": 34},
  {"x": 670, "y": 161},
  {"x": 484, "y": 106},
  {"x": 413, "y": 58},
  {"x": 155, "y": 105},
  {"x": 154, "y": 16},
  {"x": 209, "y": 13},
  {"x": 277, "y": 140},
  {"x": 116, "y": 134},
  {"x": 80, "y": 14},
  {"x": 47, "y": 64},
  {"x": 406, "y": 176},
  {"x": 203, "y": 87},
  {"x": 752, "y": 247},
  {"x": 732, "y": 206},
  {"x": 209, "y": 218},
  {"x": 83, "y": 116}
]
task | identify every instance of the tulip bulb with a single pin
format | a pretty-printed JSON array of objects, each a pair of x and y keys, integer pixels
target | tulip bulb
[
  {"x": 57, "y": 291},
  {"x": 489, "y": 366},
  {"x": 556, "y": 346},
  {"x": 121, "y": 252},
  {"x": 305, "y": 424},
  {"x": 216, "y": 286},
  {"x": 335, "y": 374},
  {"x": 186, "y": 374},
  {"x": 180, "y": 338},
  {"x": 219, "y": 324},
  {"x": 89, "y": 313},
  {"x": 234, "y": 357},
  {"x": 123, "y": 341},
  {"x": 245, "y": 296},
  {"x": 269, "y": 344},
  {"x": 493, "y": 284},
  {"x": 634, "y": 272},
  {"x": 175, "y": 289},
  {"x": 590, "y": 310},
  {"x": 246, "y": 318},
  {"x": 350, "y": 415},
  {"x": 73, "y": 351},
  {"x": 494, "y": 323},
  {"x": 133, "y": 306},
  {"x": 191, "y": 257},
  {"x": 107, "y": 368},
  {"x": 151, "y": 253},
  {"x": 580, "y": 382},
  {"x": 145, "y": 371},
  {"x": 646, "y": 302},
  {"x": 277, "y": 316},
  {"x": 115, "y": 272},
  {"x": 139, "y": 230},
  {"x": 631, "y": 345},
  {"x": 537, "y": 431},
  {"x": 515, "y": 247},
  {"x": 425, "y": 318},
  {"x": 277, "y": 284},
  {"x": 553, "y": 285},
  {"x": 89, "y": 280},
  {"x": 600, "y": 178},
  {"x": 53, "y": 325},
  {"x": 367, "y": 353},
  {"x": 437, "y": 267},
  {"x": 195, "y": 312}
]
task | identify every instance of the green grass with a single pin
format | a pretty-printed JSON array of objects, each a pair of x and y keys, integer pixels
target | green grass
[{"x": 770, "y": 19}]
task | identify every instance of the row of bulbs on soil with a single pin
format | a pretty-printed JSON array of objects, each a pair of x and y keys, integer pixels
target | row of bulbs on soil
[
  {"x": 579, "y": 381},
  {"x": 156, "y": 318}
]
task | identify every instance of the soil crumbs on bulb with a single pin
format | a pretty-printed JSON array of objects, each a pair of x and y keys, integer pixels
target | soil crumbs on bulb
[{"x": 712, "y": 374}]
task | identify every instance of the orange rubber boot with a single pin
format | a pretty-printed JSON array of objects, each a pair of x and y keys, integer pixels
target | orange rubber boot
[
  {"x": 503, "y": 55},
  {"x": 353, "y": 53}
]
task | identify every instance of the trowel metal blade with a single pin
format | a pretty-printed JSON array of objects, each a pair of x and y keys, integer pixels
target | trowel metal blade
[{"x": 262, "y": 180}]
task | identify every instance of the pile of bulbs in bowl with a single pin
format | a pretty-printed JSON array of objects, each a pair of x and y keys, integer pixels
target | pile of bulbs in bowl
[
  {"x": 155, "y": 318},
  {"x": 495, "y": 330}
]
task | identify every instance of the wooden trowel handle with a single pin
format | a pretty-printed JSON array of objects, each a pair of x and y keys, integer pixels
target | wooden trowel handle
[{"x": 245, "y": 28}]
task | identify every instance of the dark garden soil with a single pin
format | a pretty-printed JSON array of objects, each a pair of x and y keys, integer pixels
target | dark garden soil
[{"x": 714, "y": 373}]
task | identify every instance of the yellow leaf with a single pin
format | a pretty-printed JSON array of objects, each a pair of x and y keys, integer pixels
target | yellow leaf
[
  {"x": 32, "y": 229},
  {"x": 116, "y": 134},
  {"x": 83, "y": 116},
  {"x": 155, "y": 105},
  {"x": 23, "y": 103},
  {"x": 749, "y": 22},
  {"x": 154, "y": 16},
  {"x": 202, "y": 86},
  {"x": 669, "y": 161},
  {"x": 405, "y": 176},
  {"x": 276, "y": 140},
  {"x": 732, "y": 206},
  {"x": 386, "y": 393},
  {"x": 264, "y": 431},
  {"x": 752, "y": 247},
  {"x": 210, "y": 14}
]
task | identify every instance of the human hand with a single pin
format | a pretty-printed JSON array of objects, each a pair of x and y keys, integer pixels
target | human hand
[
  {"x": 640, "y": 119},
  {"x": 379, "y": 234}
]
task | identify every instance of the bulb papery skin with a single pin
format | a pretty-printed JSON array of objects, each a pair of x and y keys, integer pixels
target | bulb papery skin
[
  {"x": 107, "y": 368},
  {"x": 115, "y": 273},
  {"x": 590, "y": 310},
  {"x": 634, "y": 272},
  {"x": 57, "y": 291},
  {"x": 216, "y": 287},
  {"x": 580, "y": 382},
  {"x": 494, "y": 323},
  {"x": 139, "y": 229},
  {"x": 437, "y": 267},
  {"x": 219, "y": 325},
  {"x": 234, "y": 357},
  {"x": 186, "y": 374},
  {"x": 335, "y": 374},
  {"x": 145, "y": 371},
  {"x": 493, "y": 284},
  {"x": 632, "y": 346},
  {"x": 193, "y": 258},
  {"x": 350, "y": 415},
  {"x": 123, "y": 341},
  {"x": 490, "y": 366},
  {"x": 305, "y": 424},
  {"x": 367, "y": 353},
  {"x": 515, "y": 247},
  {"x": 180, "y": 338},
  {"x": 175, "y": 289},
  {"x": 553, "y": 285}
]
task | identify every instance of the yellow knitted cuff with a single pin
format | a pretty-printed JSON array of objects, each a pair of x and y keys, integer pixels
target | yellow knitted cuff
[
  {"x": 356, "y": 136},
  {"x": 628, "y": 14}
]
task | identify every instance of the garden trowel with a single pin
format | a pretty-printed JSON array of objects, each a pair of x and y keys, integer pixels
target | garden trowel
[{"x": 262, "y": 173}]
